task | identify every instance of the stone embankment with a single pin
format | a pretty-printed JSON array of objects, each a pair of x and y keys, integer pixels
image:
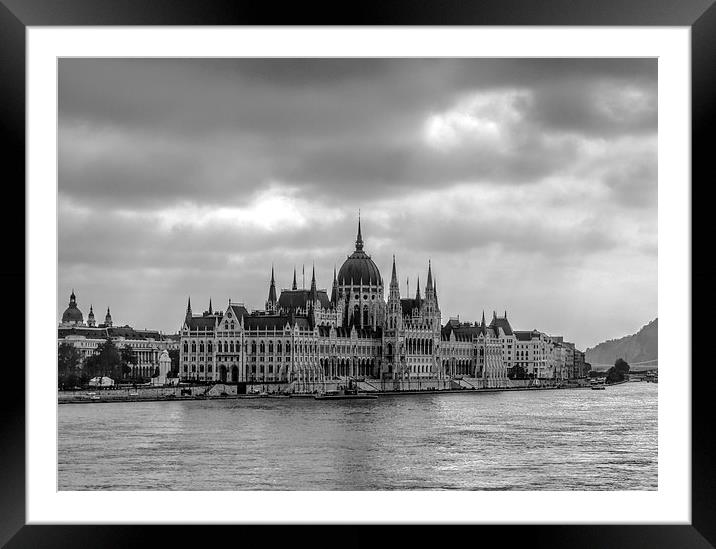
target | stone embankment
[{"x": 227, "y": 390}]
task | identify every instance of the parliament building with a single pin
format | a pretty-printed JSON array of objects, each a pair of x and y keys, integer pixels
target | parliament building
[{"x": 362, "y": 330}]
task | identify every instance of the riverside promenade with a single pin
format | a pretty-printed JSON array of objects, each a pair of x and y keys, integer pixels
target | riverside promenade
[{"x": 297, "y": 390}]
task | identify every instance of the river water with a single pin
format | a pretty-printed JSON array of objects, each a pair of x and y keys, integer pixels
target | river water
[{"x": 572, "y": 439}]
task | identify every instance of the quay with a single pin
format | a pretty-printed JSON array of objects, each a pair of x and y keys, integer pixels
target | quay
[{"x": 224, "y": 391}]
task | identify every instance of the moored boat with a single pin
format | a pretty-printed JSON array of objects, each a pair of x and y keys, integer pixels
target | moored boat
[{"x": 344, "y": 394}]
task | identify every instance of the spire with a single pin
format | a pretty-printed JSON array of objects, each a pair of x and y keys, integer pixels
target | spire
[
  {"x": 313, "y": 283},
  {"x": 483, "y": 318},
  {"x": 108, "y": 318},
  {"x": 435, "y": 292},
  {"x": 73, "y": 299},
  {"x": 294, "y": 287},
  {"x": 334, "y": 292},
  {"x": 505, "y": 313},
  {"x": 359, "y": 238},
  {"x": 211, "y": 311},
  {"x": 394, "y": 277},
  {"x": 187, "y": 317},
  {"x": 430, "y": 276},
  {"x": 271, "y": 302},
  {"x": 417, "y": 294}
]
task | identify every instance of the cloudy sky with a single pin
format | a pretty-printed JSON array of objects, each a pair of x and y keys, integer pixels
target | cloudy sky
[{"x": 531, "y": 184}]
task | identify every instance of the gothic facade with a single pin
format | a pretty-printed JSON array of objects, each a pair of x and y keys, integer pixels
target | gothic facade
[{"x": 307, "y": 336}]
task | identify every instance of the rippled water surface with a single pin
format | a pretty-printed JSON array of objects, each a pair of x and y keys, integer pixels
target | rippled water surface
[{"x": 521, "y": 440}]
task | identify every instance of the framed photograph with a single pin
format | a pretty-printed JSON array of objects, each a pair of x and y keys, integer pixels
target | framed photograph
[{"x": 405, "y": 269}]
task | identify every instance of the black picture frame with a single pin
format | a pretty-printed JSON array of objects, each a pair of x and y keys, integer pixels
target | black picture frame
[{"x": 699, "y": 15}]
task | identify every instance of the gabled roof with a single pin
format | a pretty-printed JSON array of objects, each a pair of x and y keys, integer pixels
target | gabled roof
[
  {"x": 465, "y": 331},
  {"x": 238, "y": 310},
  {"x": 522, "y": 335},
  {"x": 501, "y": 322},
  {"x": 298, "y": 299},
  {"x": 268, "y": 322},
  {"x": 201, "y": 322}
]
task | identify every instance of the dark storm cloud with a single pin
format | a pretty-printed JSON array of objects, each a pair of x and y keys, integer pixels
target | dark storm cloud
[{"x": 203, "y": 130}]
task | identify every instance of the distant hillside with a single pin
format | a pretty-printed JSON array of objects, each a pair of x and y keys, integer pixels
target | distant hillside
[{"x": 637, "y": 347}]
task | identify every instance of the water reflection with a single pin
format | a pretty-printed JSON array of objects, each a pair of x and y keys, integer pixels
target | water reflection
[{"x": 556, "y": 440}]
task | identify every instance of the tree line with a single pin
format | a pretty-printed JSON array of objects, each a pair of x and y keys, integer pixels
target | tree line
[{"x": 107, "y": 360}]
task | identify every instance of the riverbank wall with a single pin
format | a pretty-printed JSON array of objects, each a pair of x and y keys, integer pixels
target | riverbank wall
[{"x": 228, "y": 390}]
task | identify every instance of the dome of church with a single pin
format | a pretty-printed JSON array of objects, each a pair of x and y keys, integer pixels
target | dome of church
[
  {"x": 359, "y": 267},
  {"x": 72, "y": 313}
]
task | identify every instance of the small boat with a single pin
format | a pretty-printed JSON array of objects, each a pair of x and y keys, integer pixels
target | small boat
[
  {"x": 598, "y": 384},
  {"x": 344, "y": 394}
]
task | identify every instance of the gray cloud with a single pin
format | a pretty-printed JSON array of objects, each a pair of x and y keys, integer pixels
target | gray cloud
[{"x": 169, "y": 170}]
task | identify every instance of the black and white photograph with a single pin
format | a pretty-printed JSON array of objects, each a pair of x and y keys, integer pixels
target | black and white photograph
[{"x": 357, "y": 274}]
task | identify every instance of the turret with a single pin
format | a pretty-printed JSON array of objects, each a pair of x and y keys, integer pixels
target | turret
[
  {"x": 359, "y": 238},
  {"x": 394, "y": 291},
  {"x": 108, "y": 319},
  {"x": 90, "y": 318},
  {"x": 294, "y": 286},
  {"x": 334, "y": 291},
  {"x": 418, "y": 299},
  {"x": 187, "y": 317},
  {"x": 314, "y": 291},
  {"x": 435, "y": 292},
  {"x": 271, "y": 301},
  {"x": 211, "y": 311}
]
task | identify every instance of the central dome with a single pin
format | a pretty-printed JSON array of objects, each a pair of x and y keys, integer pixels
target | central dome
[{"x": 359, "y": 267}]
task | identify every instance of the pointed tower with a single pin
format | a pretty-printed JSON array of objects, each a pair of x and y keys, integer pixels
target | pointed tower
[
  {"x": 393, "y": 324},
  {"x": 294, "y": 286},
  {"x": 271, "y": 301},
  {"x": 108, "y": 319},
  {"x": 187, "y": 317},
  {"x": 418, "y": 299},
  {"x": 334, "y": 291},
  {"x": 314, "y": 291},
  {"x": 313, "y": 299},
  {"x": 91, "y": 322},
  {"x": 429, "y": 285},
  {"x": 359, "y": 238},
  {"x": 435, "y": 290},
  {"x": 211, "y": 311}
]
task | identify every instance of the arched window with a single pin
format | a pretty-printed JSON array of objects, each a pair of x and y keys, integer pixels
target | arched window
[
  {"x": 209, "y": 347},
  {"x": 201, "y": 346},
  {"x": 231, "y": 346},
  {"x": 271, "y": 346},
  {"x": 232, "y": 324},
  {"x": 262, "y": 347},
  {"x": 226, "y": 325},
  {"x": 278, "y": 346},
  {"x": 186, "y": 346},
  {"x": 288, "y": 347},
  {"x": 193, "y": 346},
  {"x": 253, "y": 347}
]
